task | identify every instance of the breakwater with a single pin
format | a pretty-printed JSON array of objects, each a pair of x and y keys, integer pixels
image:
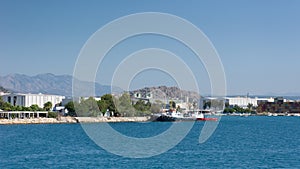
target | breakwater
[{"x": 72, "y": 120}]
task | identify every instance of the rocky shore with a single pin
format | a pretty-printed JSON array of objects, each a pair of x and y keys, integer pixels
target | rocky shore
[{"x": 64, "y": 120}]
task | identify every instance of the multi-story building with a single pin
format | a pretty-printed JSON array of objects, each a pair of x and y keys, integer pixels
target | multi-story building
[
  {"x": 26, "y": 100},
  {"x": 245, "y": 101},
  {"x": 239, "y": 101},
  {"x": 279, "y": 105}
]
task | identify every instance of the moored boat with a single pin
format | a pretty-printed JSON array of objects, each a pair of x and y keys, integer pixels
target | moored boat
[
  {"x": 201, "y": 117},
  {"x": 177, "y": 116}
]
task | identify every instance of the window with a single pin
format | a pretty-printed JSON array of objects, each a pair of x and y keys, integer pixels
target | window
[{"x": 15, "y": 100}]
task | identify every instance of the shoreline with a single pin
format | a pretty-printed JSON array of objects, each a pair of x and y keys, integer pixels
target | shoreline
[{"x": 72, "y": 120}]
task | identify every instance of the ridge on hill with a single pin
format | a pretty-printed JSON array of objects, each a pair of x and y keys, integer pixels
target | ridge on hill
[{"x": 47, "y": 84}]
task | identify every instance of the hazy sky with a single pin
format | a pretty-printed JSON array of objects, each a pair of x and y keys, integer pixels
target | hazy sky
[{"x": 258, "y": 41}]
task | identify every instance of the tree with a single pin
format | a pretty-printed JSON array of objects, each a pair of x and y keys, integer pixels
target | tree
[
  {"x": 103, "y": 106},
  {"x": 71, "y": 108},
  {"x": 228, "y": 110},
  {"x": 6, "y": 106},
  {"x": 18, "y": 108},
  {"x": 142, "y": 108},
  {"x": 124, "y": 105},
  {"x": 52, "y": 114},
  {"x": 35, "y": 107},
  {"x": 47, "y": 106},
  {"x": 1, "y": 103},
  {"x": 87, "y": 108},
  {"x": 250, "y": 106},
  {"x": 109, "y": 101}
]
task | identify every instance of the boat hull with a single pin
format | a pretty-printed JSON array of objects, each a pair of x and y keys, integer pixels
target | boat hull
[
  {"x": 165, "y": 118},
  {"x": 207, "y": 119}
]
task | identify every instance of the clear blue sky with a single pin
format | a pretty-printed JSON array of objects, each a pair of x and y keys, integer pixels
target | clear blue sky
[{"x": 258, "y": 40}]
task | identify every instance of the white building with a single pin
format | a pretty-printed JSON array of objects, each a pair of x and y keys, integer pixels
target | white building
[
  {"x": 245, "y": 101},
  {"x": 3, "y": 93},
  {"x": 240, "y": 101},
  {"x": 77, "y": 99},
  {"x": 26, "y": 100}
]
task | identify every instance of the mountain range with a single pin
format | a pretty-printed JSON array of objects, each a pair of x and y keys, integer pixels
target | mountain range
[
  {"x": 62, "y": 85},
  {"x": 47, "y": 84}
]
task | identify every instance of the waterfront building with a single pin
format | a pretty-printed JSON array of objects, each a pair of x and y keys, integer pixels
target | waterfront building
[
  {"x": 242, "y": 102},
  {"x": 245, "y": 101},
  {"x": 280, "y": 105},
  {"x": 3, "y": 93},
  {"x": 26, "y": 100}
]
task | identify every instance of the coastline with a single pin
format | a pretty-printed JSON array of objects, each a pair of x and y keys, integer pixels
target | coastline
[
  {"x": 73, "y": 120},
  {"x": 68, "y": 120}
]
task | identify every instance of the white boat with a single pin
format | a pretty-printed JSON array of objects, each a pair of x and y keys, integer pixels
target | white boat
[{"x": 178, "y": 116}]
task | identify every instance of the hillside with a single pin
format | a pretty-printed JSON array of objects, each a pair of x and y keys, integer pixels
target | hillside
[
  {"x": 46, "y": 83},
  {"x": 162, "y": 92}
]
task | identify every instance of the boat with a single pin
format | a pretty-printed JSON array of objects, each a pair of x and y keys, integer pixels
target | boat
[
  {"x": 201, "y": 117},
  {"x": 177, "y": 116}
]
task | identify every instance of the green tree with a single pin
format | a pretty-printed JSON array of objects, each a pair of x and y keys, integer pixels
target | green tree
[
  {"x": 35, "y": 107},
  {"x": 7, "y": 107},
  {"x": 87, "y": 108},
  {"x": 26, "y": 109},
  {"x": 71, "y": 108},
  {"x": 250, "y": 106},
  {"x": 124, "y": 105},
  {"x": 103, "y": 106},
  {"x": 142, "y": 108},
  {"x": 229, "y": 110},
  {"x": 18, "y": 108},
  {"x": 1, "y": 103},
  {"x": 47, "y": 106},
  {"x": 110, "y": 102},
  {"x": 52, "y": 114}
]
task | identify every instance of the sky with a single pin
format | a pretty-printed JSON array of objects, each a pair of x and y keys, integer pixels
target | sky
[{"x": 258, "y": 41}]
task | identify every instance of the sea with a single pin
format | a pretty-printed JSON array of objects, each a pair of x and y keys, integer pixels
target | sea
[{"x": 238, "y": 142}]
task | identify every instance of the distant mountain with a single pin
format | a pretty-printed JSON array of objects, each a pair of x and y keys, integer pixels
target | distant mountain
[{"x": 47, "y": 84}]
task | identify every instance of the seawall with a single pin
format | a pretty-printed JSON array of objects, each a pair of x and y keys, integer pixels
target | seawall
[{"x": 64, "y": 120}]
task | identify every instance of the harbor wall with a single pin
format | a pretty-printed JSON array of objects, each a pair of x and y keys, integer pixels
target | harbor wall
[{"x": 72, "y": 120}]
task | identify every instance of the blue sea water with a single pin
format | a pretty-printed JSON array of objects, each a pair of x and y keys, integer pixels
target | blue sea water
[{"x": 238, "y": 142}]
